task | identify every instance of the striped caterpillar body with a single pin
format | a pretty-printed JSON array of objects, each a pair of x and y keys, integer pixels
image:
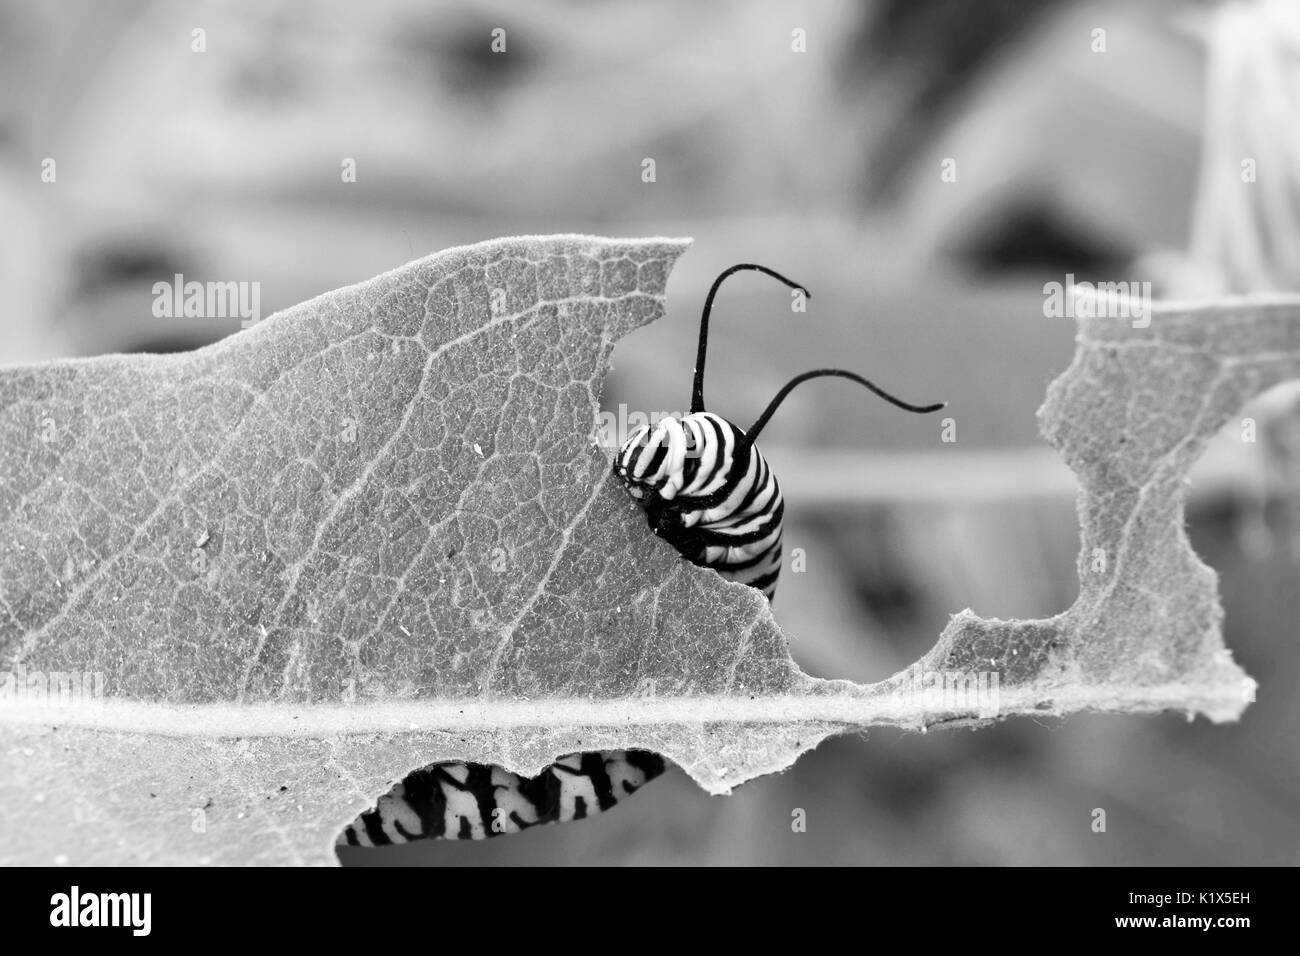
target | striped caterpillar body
[
  {"x": 710, "y": 494},
  {"x": 473, "y": 801},
  {"x": 708, "y": 491},
  {"x": 705, "y": 487}
]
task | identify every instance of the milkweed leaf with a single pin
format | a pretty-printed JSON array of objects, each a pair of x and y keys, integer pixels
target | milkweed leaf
[{"x": 246, "y": 589}]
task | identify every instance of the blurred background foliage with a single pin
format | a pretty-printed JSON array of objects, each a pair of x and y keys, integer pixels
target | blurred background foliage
[{"x": 1120, "y": 163}]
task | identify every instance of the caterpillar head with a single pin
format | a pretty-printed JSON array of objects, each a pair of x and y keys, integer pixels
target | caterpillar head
[{"x": 653, "y": 459}]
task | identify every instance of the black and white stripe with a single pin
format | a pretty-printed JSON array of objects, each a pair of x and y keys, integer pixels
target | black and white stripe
[
  {"x": 473, "y": 801},
  {"x": 709, "y": 493}
]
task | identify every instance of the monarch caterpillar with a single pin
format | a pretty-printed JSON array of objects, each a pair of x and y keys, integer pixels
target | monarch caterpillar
[
  {"x": 705, "y": 487},
  {"x": 473, "y": 801},
  {"x": 707, "y": 490}
]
